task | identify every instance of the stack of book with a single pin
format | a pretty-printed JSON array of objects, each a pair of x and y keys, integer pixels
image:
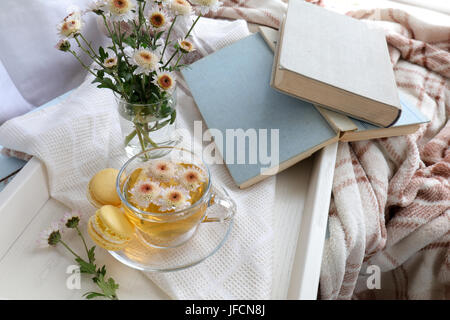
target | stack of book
[{"x": 323, "y": 77}]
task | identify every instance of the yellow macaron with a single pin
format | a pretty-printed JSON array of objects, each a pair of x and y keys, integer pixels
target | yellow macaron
[
  {"x": 102, "y": 188},
  {"x": 110, "y": 228}
]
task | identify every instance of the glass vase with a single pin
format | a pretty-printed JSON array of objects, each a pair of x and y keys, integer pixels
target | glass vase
[{"x": 146, "y": 126}]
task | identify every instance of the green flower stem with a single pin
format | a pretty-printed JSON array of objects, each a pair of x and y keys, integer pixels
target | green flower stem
[
  {"x": 136, "y": 30},
  {"x": 141, "y": 13},
  {"x": 121, "y": 42},
  {"x": 90, "y": 47},
  {"x": 70, "y": 250},
  {"x": 168, "y": 36},
  {"x": 82, "y": 63},
  {"x": 92, "y": 56},
  {"x": 147, "y": 28},
  {"x": 108, "y": 287},
  {"x": 119, "y": 81},
  {"x": 140, "y": 137},
  {"x": 84, "y": 242},
  {"x": 96, "y": 58},
  {"x": 185, "y": 37},
  {"x": 110, "y": 34},
  {"x": 143, "y": 86},
  {"x": 130, "y": 137},
  {"x": 171, "y": 58},
  {"x": 178, "y": 60},
  {"x": 122, "y": 50},
  {"x": 152, "y": 128},
  {"x": 192, "y": 27},
  {"x": 149, "y": 140}
]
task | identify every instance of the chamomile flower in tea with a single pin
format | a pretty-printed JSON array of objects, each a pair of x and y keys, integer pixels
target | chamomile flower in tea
[
  {"x": 191, "y": 178},
  {"x": 163, "y": 185},
  {"x": 145, "y": 192},
  {"x": 174, "y": 198},
  {"x": 161, "y": 170}
]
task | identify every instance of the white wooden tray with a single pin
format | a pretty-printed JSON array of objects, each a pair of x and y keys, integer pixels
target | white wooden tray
[{"x": 26, "y": 208}]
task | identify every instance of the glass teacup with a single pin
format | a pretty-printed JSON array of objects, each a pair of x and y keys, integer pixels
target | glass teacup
[{"x": 166, "y": 195}]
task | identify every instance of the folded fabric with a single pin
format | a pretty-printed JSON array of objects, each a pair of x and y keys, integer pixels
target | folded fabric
[
  {"x": 81, "y": 136},
  {"x": 391, "y": 197}
]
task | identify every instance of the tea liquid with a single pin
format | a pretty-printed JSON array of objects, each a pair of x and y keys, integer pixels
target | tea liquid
[{"x": 164, "y": 227}]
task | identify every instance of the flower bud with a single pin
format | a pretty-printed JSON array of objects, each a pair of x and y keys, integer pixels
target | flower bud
[{"x": 63, "y": 45}]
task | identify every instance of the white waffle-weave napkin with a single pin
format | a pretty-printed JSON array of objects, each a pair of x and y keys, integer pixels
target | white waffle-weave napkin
[{"x": 81, "y": 136}]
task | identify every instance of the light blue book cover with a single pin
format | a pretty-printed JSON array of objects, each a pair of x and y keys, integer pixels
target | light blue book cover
[
  {"x": 356, "y": 130},
  {"x": 410, "y": 116},
  {"x": 232, "y": 90}
]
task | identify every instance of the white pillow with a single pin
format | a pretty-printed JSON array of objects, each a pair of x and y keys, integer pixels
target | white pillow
[{"x": 28, "y": 35}]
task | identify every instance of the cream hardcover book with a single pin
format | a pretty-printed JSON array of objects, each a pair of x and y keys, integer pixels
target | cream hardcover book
[
  {"x": 336, "y": 61},
  {"x": 351, "y": 129}
]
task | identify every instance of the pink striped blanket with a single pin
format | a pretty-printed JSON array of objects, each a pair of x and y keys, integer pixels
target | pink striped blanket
[{"x": 389, "y": 219}]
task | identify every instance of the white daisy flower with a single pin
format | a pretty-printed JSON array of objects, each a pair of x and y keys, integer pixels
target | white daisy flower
[
  {"x": 145, "y": 192},
  {"x": 191, "y": 178},
  {"x": 180, "y": 7},
  {"x": 161, "y": 170},
  {"x": 186, "y": 46},
  {"x": 205, "y": 6},
  {"x": 120, "y": 10},
  {"x": 165, "y": 80},
  {"x": 158, "y": 18},
  {"x": 96, "y": 6},
  {"x": 71, "y": 25},
  {"x": 145, "y": 60},
  {"x": 174, "y": 198},
  {"x": 110, "y": 62},
  {"x": 73, "y": 12},
  {"x": 50, "y": 236},
  {"x": 72, "y": 219}
]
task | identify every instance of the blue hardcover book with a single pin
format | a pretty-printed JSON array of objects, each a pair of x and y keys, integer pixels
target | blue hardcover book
[{"x": 258, "y": 130}]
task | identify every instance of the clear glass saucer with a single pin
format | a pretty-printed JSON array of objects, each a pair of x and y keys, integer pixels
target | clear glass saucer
[{"x": 208, "y": 239}]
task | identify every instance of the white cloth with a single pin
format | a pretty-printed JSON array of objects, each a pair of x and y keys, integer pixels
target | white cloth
[{"x": 81, "y": 136}]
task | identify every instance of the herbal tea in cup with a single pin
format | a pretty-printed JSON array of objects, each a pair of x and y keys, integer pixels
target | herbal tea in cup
[{"x": 166, "y": 195}]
